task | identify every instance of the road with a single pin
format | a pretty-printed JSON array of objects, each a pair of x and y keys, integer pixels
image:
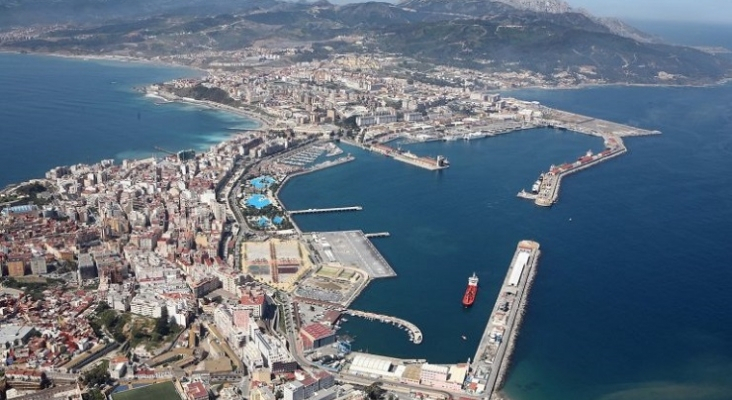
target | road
[
  {"x": 294, "y": 345},
  {"x": 401, "y": 387}
]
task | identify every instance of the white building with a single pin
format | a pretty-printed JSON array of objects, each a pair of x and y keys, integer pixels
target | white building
[
  {"x": 147, "y": 306},
  {"x": 372, "y": 366},
  {"x": 294, "y": 391}
]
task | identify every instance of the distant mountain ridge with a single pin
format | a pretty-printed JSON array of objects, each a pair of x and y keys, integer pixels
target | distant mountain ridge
[
  {"x": 548, "y": 37},
  {"x": 481, "y": 8},
  {"x": 547, "y": 6}
]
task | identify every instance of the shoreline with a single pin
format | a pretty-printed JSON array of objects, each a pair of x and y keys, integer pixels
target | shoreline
[
  {"x": 581, "y": 86},
  {"x": 234, "y": 110},
  {"x": 262, "y": 123},
  {"x": 110, "y": 57},
  {"x": 159, "y": 63}
]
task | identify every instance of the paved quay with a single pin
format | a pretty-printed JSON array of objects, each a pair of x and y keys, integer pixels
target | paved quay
[
  {"x": 352, "y": 248},
  {"x": 611, "y": 132},
  {"x": 552, "y": 179},
  {"x": 493, "y": 355}
]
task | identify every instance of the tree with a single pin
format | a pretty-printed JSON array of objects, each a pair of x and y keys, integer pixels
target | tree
[
  {"x": 162, "y": 326},
  {"x": 96, "y": 376},
  {"x": 102, "y": 306},
  {"x": 94, "y": 394},
  {"x": 374, "y": 391}
]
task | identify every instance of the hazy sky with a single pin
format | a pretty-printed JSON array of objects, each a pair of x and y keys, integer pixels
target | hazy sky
[{"x": 679, "y": 10}]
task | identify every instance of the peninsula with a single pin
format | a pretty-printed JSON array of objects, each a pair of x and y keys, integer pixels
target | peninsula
[{"x": 184, "y": 271}]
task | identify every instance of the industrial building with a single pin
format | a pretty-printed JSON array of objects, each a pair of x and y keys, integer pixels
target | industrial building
[
  {"x": 369, "y": 365},
  {"x": 316, "y": 335},
  {"x": 518, "y": 267}
]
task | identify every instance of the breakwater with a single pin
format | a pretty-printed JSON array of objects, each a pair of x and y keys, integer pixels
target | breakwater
[
  {"x": 492, "y": 358},
  {"x": 506, "y": 363},
  {"x": 552, "y": 180},
  {"x": 415, "y": 334}
]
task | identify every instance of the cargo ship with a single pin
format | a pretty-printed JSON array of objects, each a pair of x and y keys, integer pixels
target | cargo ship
[{"x": 471, "y": 291}]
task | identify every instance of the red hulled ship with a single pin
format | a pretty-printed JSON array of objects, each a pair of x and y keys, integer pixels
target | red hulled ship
[{"x": 471, "y": 291}]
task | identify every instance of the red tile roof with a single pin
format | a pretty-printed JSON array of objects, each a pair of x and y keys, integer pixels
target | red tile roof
[{"x": 317, "y": 331}]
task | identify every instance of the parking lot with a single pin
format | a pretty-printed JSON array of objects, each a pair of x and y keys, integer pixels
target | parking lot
[{"x": 352, "y": 249}]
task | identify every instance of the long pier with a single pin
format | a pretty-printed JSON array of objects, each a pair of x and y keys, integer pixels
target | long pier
[
  {"x": 493, "y": 355},
  {"x": 549, "y": 188},
  {"x": 611, "y": 132},
  {"x": 432, "y": 164},
  {"x": 549, "y": 191},
  {"x": 377, "y": 234},
  {"x": 415, "y": 335},
  {"x": 325, "y": 210}
]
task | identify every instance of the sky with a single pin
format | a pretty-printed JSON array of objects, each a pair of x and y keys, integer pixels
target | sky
[{"x": 672, "y": 10}]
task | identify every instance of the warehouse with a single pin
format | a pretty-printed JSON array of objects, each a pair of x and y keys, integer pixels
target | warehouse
[
  {"x": 366, "y": 364},
  {"x": 518, "y": 267}
]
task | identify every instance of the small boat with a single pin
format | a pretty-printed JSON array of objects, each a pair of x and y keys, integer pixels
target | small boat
[{"x": 464, "y": 338}]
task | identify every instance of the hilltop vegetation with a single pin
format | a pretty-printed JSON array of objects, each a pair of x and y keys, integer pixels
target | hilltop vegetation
[{"x": 546, "y": 37}]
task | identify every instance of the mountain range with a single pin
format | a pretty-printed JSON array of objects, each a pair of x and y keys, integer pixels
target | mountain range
[{"x": 547, "y": 37}]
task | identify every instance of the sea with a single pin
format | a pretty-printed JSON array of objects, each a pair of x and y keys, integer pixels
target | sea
[
  {"x": 59, "y": 111},
  {"x": 631, "y": 300}
]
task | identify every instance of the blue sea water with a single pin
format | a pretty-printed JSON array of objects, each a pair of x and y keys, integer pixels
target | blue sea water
[
  {"x": 56, "y": 111},
  {"x": 688, "y": 33},
  {"x": 631, "y": 299}
]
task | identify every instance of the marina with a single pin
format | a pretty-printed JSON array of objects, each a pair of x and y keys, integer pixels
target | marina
[
  {"x": 304, "y": 157},
  {"x": 415, "y": 335}
]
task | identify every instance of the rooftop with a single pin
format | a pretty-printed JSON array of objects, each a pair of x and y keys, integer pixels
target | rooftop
[
  {"x": 196, "y": 389},
  {"x": 317, "y": 331}
]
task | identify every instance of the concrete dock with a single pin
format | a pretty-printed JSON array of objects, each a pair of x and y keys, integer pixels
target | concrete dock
[
  {"x": 432, "y": 164},
  {"x": 552, "y": 180},
  {"x": 325, "y": 210},
  {"x": 377, "y": 235},
  {"x": 546, "y": 117},
  {"x": 415, "y": 334},
  {"x": 492, "y": 358}
]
